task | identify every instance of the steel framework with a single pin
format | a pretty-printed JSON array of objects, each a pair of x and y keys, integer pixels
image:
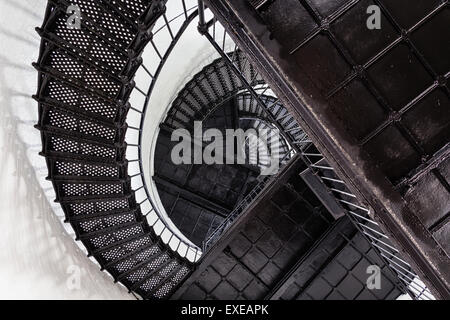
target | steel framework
[{"x": 85, "y": 83}]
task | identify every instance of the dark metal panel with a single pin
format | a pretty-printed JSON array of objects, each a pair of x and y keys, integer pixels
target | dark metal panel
[
  {"x": 307, "y": 100},
  {"x": 287, "y": 246},
  {"x": 191, "y": 196},
  {"x": 216, "y": 254}
]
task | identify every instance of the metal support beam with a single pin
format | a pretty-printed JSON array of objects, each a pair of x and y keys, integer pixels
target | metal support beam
[
  {"x": 191, "y": 196},
  {"x": 320, "y": 190}
]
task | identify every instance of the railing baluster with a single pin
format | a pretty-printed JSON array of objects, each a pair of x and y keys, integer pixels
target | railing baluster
[
  {"x": 147, "y": 71},
  {"x": 168, "y": 26},
  {"x": 184, "y": 9}
]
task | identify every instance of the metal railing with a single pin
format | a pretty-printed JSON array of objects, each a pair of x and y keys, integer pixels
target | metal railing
[
  {"x": 360, "y": 216},
  {"x": 237, "y": 211},
  {"x": 149, "y": 208},
  {"x": 148, "y": 205},
  {"x": 243, "y": 205},
  {"x": 219, "y": 38}
]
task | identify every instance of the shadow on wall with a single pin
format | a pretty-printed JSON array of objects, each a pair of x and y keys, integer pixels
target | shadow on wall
[{"x": 39, "y": 257}]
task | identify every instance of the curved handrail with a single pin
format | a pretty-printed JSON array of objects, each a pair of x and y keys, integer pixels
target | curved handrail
[
  {"x": 185, "y": 249},
  {"x": 173, "y": 238}
]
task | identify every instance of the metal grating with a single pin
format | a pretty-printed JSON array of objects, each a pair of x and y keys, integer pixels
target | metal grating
[{"x": 85, "y": 80}]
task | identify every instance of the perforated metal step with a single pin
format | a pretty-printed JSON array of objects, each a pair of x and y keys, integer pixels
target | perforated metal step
[{"x": 85, "y": 80}]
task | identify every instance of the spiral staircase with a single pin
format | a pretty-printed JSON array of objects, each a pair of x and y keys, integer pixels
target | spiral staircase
[{"x": 86, "y": 78}]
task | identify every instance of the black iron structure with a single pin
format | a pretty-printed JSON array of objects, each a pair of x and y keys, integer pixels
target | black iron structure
[
  {"x": 326, "y": 59},
  {"x": 85, "y": 82}
]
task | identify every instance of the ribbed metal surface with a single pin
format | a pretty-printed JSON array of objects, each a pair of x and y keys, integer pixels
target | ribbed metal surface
[
  {"x": 217, "y": 83},
  {"x": 198, "y": 197}
]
